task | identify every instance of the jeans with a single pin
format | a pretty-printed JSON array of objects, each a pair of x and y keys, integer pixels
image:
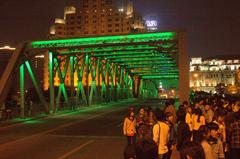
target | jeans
[
  {"x": 131, "y": 140},
  {"x": 163, "y": 156}
]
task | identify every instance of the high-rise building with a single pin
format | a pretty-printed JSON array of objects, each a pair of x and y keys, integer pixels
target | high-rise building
[
  {"x": 206, "y": 74},
  {"x": 97, "y": 17}
]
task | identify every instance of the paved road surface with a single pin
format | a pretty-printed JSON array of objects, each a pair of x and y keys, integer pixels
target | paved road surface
[{"x": 91, "y": 133}]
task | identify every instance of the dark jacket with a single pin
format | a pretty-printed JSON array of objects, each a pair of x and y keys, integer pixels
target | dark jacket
[{"x": 183, "y": 134}]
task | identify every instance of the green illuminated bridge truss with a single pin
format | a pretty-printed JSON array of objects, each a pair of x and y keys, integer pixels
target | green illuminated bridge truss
[{"x": 106, "y": 68}]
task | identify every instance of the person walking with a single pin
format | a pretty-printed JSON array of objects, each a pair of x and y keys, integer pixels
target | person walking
[
  {"x": 129, "y": 128},
  {"x": 208, "y": 113},
  {"x": 183, "y": 130},
  {"x": 198, "y": 120},
  {"x": 141, "y": 123},
  {"x": 172, "y": 138},
  {"x": 160, "y": 134},
  {"x": 188, "y": 118},
  {"x": 169, "y": 107}
]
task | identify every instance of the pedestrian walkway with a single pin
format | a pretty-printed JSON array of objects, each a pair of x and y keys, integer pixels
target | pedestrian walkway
[{"x": 16, "y": 121}]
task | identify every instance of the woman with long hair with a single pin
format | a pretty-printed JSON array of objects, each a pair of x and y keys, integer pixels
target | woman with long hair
[
  {"x": 129, "y": 128},
  {"x": 198, "y": 120},
  {"x": 188, "y": 118},
  {"x": 141, "y": 123}
]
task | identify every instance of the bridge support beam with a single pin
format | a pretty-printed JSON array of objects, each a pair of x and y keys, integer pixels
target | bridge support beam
[
  {"x": 72, "y": 90},
  {"x": 22, "y": 91},
  {"x": 36, "y": 85},
  {"x": 61, "y": 89},
  {"x": 51, "y": 83}
]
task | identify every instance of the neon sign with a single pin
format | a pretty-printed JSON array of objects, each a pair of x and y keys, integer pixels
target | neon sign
[{"x": 151, "y": 23}]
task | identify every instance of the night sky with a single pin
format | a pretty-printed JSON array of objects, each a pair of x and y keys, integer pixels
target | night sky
[{"x": 213, "y": 26}]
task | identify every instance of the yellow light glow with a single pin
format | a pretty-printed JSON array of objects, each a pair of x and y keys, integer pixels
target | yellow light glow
[
  {"x": 7, "y": 48},
  {"x": 195, "y": 75},
  {"x": 59, "y": 21}
]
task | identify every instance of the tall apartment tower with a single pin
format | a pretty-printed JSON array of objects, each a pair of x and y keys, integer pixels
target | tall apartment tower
[{"x": 96, "y": 17}]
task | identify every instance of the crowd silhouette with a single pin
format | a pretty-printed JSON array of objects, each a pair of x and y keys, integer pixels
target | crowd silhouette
[{"x": 207, "y": 128}]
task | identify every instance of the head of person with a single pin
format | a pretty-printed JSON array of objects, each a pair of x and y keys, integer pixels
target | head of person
[
  {"x": 192, "y": 150},
  {"x": 131, "y": 108},
  {"x": 185, "y": 103},
  {"x": 141, "y": 111},
  {"x": 197, "y": 105},
  {"x": 181, "y": 115},
  {"x": 146, "y": 149},
  {"x": 181, "y": 107},
  {"x": 149, "y": 109},
  {"x": 207, "y": 106},
  {"x": 130, "y": 114},
  {"x": 129, "y": 152},
  {"x": 167, "y": 103},
  {"x": 198, "y": 112},
  {"x": 220, "y": 114},
  {"x": 151, "y": 114},
  {"x": 159, "y": 114},
  {"x": 189, "y": 110},
  {"x": 169, "y": 117},
  {"x": 213, "y": 127},
  {"x": 201, "y": 102},
  {"x": 202, "y": 134}
]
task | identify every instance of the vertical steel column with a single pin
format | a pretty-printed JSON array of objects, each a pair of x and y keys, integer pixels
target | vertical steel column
[
  {"x": 111, "y": 82},
  {"x": 51, "y": 82},
  {"x": 98, "y": 72},
  {"x": 72, "y": 82},
  {"x": 115, "y": 81},
  {"x": 22, "y": 91},
  {"x": 103, "y": 90},
  {"x": 125, "y": 86},
  {"x": 118, "y": 83},
  {"x": 37, "y": 86},
  {"x": 93, "y": 90},
  {"x": 131, "y": 87},
  {"x": 108, "y": 81},
  {"x": 87, "y": 78},
  {"x": 62, "y": 76},
  {"x": 80, "y": 88}
]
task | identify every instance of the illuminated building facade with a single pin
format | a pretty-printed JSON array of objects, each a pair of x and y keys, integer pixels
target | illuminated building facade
[
  {"x": 205, "y": 74},
  {"x": 97, "y": 17}
]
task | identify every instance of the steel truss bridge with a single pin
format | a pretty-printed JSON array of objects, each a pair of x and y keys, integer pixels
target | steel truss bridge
[{"x": 106, "y": 68}]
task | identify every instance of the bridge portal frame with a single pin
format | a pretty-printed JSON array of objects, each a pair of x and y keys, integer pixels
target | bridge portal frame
[{"x": 117, "y": 64}]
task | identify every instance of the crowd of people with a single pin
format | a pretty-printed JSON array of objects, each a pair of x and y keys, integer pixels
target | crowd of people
[{"x": 208, "y": 128}]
